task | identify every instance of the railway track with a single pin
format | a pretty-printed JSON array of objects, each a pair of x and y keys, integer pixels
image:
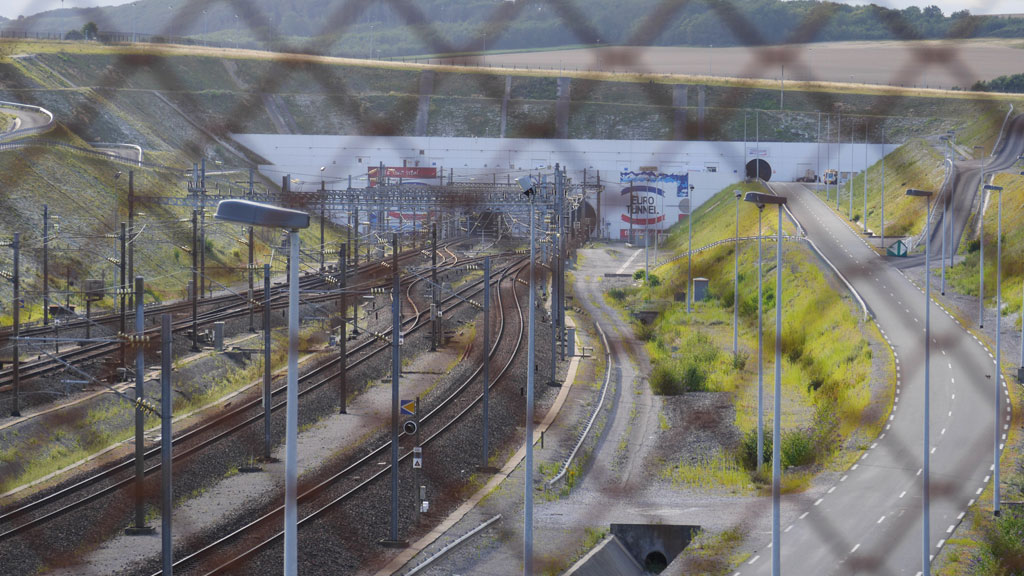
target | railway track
[
  {"x": 117, "y": 477},
  {"x": 316, "y": 501},
  {"x": 225, "y": 308}
]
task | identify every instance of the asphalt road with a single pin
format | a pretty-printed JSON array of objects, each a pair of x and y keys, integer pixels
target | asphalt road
[
  {"x": 29, "y": 119},
  {"x": 870, "y": 522},
  {"x": 965, "y": 183}
]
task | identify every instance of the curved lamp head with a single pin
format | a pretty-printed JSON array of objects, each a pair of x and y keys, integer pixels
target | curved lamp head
[
  {"x": 526, "y": 185},
  {"x": 761, "y": 199},
  {"x": 257, "y": 214}
]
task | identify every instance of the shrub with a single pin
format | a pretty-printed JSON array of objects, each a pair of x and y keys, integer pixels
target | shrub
[
  {"x": 638, "y": 275},
  {"x": 617, "y": 294},
  {"x": 1006, "y": 540},
  {"x": 856, "y": 217},
  {"x": 798, "y": 448},
  {"x": 664, "y": 381},
  {"x": 748, "y": 448},
  {"x": 739, "y": 361}
]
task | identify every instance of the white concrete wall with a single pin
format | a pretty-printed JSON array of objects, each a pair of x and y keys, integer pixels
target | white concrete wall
[{"x": 710, "y": 166}]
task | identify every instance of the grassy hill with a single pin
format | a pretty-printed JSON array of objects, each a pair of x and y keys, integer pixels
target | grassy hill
[
  {"x": 827, "y": 400},
  {"x": 963, "y": 277}
]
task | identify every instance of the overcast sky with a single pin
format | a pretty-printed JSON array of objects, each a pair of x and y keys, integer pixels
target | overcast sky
[{"x": 12, "y": 8}]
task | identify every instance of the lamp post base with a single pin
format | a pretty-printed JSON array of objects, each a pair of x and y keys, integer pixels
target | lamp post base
[
  {"x": 139, "y": 531},
  {"x": 393, "y": 543}
]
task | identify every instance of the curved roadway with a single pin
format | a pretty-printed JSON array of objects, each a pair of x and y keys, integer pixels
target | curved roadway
[
  {"x": 965, "y": 181},
  {"x": 870, "y": 522},
  {"x": 29, "y": 119}
]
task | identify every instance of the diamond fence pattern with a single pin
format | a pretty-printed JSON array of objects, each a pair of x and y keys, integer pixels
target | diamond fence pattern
[{"x": 340, "y": 18}]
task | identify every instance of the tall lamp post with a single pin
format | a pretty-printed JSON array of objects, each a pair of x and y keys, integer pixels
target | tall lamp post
[
  {"x": 981, "y": 243},
  {"x": 256, "y": 214},
  {"x": 926, "y": 508},
  {"x": 736, "y": 280},
  {"x": 999, "y": 360},
  {"x": 779, "y": 201},
  {"x": 529, "y": 190},
  {"x": 689, "y": 250}
]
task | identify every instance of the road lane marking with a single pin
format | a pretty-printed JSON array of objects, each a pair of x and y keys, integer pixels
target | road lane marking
[
  {"x": 804, "y": 515},
  {"x": 854, "y": 548},
  {"x": 902, "y": 494},
  {"x": 754, "y": 559},
  {"x": 880, "y": 520}
]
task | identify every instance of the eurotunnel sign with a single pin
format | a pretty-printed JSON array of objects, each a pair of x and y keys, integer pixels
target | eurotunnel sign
[{"x": 641, "y": 200}]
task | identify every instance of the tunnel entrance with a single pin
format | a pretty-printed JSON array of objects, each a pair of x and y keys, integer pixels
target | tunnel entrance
[{"x": 759, "y": 169}]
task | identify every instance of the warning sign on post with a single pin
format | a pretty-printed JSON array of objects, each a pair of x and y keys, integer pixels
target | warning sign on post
[{"x": 408, "y": 407}]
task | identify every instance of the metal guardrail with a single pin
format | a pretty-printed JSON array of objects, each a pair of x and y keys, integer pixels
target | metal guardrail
[
  {"x": 105, "y": 155},
  {"x": 593, "y": 417},
  {"x": 28, "y": 131},
  {"x": 448, "y": 548}
]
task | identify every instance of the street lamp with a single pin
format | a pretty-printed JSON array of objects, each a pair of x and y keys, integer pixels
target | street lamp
[
  {"x": 256, "y": 214},
  {"x": 530, "y": 191},
  {"x": 736, "y": 280},
  {"x": 981, "y": 246},
  {"x": 689, "y": 250},
  {"x": 999, "y": 320},
  {"x": 926, "y": 511},
  {"x": 761, "y": 200}
]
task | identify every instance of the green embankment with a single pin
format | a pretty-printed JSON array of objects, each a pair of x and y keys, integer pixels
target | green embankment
[
  {"x": 825, "y": 352},
  {"x": 915, "y": 164},
  {"x": 963, "y": 276},
  {"x": 86, "y": 204}
]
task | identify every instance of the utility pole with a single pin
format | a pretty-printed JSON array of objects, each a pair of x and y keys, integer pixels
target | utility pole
[
  {"x": 356, "y": 236},
  {"x": 562, "y": 257},
  {"x": 396, "y": 368},
  {"x": 487, "y": 356},
  {"x": 433, "y": 288},
  {"x": 195, "y": 282},
  {"x": 267, "y": 368},
  {"x": 46, "y": 266},
  {"x": 140, "y": 527},
  {"x": 202, "y": 247},
  {"x": 166, "y": 409},
  {"x": 16, "y": 313},
  {"x": 131, "y": 231},
  {"x": 343, "y": 337},
  {"x": 839, "y": 154},
  {"x": 828, "y": 154},
  {"x": 122, "y": 291},
  {"x": 864, "y": 216},
  {"x": 530, "y": 371},
  {"x": 323, "y": 216},
  {"x": 251, "y": 266}
]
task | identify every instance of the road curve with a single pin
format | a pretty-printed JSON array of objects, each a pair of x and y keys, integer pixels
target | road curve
[
  {"x": 965, "y": 182},
  {"x": 28, "y": 119},
  {"x": 870, "y": 522}
]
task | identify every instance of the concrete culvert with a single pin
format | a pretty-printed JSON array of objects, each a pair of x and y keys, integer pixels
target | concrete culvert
[{"x": 655, "y": 562}]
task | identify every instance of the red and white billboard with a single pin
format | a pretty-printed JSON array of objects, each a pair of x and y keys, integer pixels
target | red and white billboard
[{"x": 403, "y": 172}]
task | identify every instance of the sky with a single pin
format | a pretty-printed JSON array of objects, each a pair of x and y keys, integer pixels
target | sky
[{"x": 12, "y": 8}]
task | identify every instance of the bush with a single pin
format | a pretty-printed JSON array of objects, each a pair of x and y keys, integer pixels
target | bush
[
  {"x": 617, "y": 294},
  {"x": 973, "y": 246},
  {"x": 663, "y": 380},
  {"x": 748, "y": 448},
  {"x": 638, "y": 275},
  {"x": 798, "y": 448},
  {"x": 1006, "y": 540}
]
